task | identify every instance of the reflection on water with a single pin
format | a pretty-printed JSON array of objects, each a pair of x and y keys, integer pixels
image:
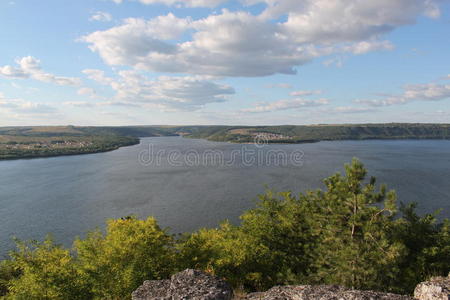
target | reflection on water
[{"x": 69, "y": 195}]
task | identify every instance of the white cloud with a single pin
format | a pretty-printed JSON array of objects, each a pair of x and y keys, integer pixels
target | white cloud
[
  {"x": 163, "y": 27},
  {"x": 85, "y": 91},
  {"x": 230, "y": 44},
  {"x": 101, "y": 16},
  {"x": 412, "y": 92},
  {"x": 120, "y": 103},
  {"x": 285, "y": 105},
  {"x": 30, "y": 67},
  {"x": 166, "y": 93},
  {"x": 277, "y": 8},
  {"x": 335, "y": 61},
  {"x": 351, "y": 109},
  {"x": 11, "y": 72},
  {"x": 81, "y": 104},
  {"x": 187, "y": 3},
  {"x": 331, "y": 21},
  {"x": 20, "y": 106},
  {"x": 86, "y": 104},
  {"x": 241, "y": 44},
  {"x": 305, "y": 93},
  {"x": 98, "y": 76},
  {"x": 369, "y": 46},
  {"x": 280, "y": 85}
]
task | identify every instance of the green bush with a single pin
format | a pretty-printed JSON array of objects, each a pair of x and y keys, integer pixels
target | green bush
[
  {"x": 46, "y": 271},
  {"x": 131, "y": 251}
]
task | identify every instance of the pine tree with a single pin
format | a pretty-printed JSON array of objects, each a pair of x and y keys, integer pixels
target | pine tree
[{"x": 354, "y": 223}]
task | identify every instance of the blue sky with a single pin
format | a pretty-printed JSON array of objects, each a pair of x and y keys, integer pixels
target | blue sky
[{"x": 136, "y": 62}]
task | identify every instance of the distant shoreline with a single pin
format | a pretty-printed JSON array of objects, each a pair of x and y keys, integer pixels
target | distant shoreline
[
  {"x": 52, "y": 141},
  {"x": 66, "y": 154},
  {"x": 242, "y": 143}
]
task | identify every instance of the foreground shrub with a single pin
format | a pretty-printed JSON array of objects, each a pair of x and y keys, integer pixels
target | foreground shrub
[
  {"x": 132, "y": 251},
  {"x": 47, "y": 271}
]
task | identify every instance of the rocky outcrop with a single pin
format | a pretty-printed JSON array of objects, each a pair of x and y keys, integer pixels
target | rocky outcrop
[
  {"x": 437, "y": 288},
  {"x": 321, "y": 292},
  {"x": 189, "y": 284},
  {"x": 197, "y": 285}
]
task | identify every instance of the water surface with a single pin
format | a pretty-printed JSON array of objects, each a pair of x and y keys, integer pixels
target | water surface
[{"x": 69, "y": 195}]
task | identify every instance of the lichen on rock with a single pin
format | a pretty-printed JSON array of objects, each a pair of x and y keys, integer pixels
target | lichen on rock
[
  {"x": 321, "y": 292},
  {"x": 437, "y": 288},
  {"x": 198, "y": 285},
  {"x": 188, "y": 284}
]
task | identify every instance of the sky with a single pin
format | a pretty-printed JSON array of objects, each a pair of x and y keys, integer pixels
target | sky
[{"x": 240, "y": 62}]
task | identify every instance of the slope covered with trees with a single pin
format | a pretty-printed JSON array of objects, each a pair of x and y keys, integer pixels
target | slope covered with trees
[
  {"x": 351, "y": 233},
  {"x": 310, "y": 133}
]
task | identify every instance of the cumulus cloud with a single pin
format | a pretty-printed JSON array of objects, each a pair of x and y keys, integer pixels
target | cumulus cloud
[
  {"x": 285, "y": 105},
  {"x": 101, "y": 16},
  {"x": 30, "y": 67},
  {"x": 20, "y": 106},
  {"x": 164, "y": 92},
  {"x": 242, "y": 44},
  {"x": 330, "y": 21},
  {"x": 11, "y": 72},
  {"x": 305, "y": 93},
  {"x": 232, "y": 44},
  {"x": 187, "y": 3},
  {"x": 98, "y": 76},
  {"x": 412, "y": 92}
]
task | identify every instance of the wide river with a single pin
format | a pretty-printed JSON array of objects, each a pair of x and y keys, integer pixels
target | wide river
[{"x": 187, "y": 184}]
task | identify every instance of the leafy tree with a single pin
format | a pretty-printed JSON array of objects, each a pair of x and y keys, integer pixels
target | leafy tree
[
  {"x": 227, "y": 252},
  {"x": 47, "y": 272},
  {"x": 8, "y": 272},
  {"x": 272, "y": 246},
  {"x": 132, "y": 251},
  {"x": 281, "y": 223},
  {"x": 348, "y": 234}
]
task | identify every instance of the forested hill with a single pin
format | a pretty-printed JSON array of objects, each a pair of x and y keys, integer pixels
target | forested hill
[
  {"x": 52, "y": 131},
  {"x": 239, "y": 133},
  {"x": 308, "y": 133}
]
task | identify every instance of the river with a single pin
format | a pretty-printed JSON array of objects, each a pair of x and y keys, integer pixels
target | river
[{"x": 188, "y": 183}]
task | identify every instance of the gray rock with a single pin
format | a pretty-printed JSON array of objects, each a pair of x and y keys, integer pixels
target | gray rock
[
  {"x": 321, "y": 292},
  {"x": 189, "y": 284},
  {"x": 157, "y": 289},
  {"x": 437, "y": 288},
  {"x": 197, "y": 285}
]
